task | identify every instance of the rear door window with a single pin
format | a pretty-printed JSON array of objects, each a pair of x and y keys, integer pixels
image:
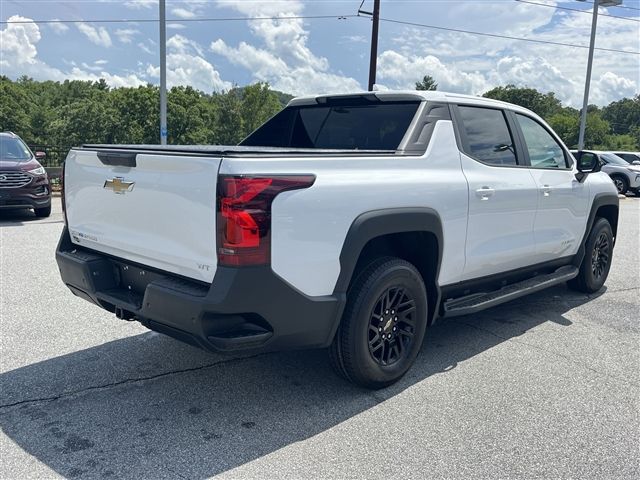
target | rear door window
[
  {"x": 373, "y": 126},
  {"x": 486, "y": 136}
]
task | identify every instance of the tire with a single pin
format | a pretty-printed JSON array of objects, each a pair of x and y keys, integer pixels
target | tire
[
  {"x": 376, "y": 359},
  {"x": 621, "y": 183},
  {"x": 42, "y": 212},
  {"x": 597, "y": 259}
]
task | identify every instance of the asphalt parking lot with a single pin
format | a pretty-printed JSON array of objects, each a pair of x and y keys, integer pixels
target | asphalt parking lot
[{"x": 545, "y": 387}]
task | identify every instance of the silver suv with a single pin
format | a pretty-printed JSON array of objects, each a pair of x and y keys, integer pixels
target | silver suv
[{"x": 625, "y": 176}]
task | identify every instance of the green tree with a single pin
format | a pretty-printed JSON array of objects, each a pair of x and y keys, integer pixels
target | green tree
[
  {"x": 229, "y": 129},
  {"x": 427, "y": 83},
  {"x": 623, "y": 115},
  {"x": 257, "y": 106},
  {"x": 14, "y": 107},
  {"x": 567, "y": 126},
  {"x": 544, "y": 104}
]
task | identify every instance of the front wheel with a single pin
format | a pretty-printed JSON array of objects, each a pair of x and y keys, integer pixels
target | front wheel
[
  {"x": 597, "y": 259},
  {"x": 42, "y": 212},
  {"x": 383, "y": 325},
  {"x": 621, "y": 183}
]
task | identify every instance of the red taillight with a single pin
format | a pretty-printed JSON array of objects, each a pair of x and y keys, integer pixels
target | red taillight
[{"x": 244, "y": 216}]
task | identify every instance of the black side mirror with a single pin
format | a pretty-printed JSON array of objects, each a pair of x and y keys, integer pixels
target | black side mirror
[{"x": 587, "y": 163}]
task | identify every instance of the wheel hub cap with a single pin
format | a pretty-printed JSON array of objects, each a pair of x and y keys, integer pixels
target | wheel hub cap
[
  {"x": 600, "y": 255},
  {"x": 392, "y": 326}
]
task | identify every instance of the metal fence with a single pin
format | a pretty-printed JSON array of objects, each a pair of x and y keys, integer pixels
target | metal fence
[{"x": 55, "y": 154}]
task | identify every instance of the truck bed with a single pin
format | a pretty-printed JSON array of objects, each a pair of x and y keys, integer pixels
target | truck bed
[{"x": 233, "y": 150}]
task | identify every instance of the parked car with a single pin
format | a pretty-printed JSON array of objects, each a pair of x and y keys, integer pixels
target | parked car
[
  {"x": 345, "y": 221},
  {"x": 624, "y": 175},
  {"x": 631, "y": 157},
  {"x": 23, "y": 180}
]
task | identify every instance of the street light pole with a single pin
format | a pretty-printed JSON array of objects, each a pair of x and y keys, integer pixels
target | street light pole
[
  {"x": 163, "y": 74},
  {"x": 373, "y": 61},
  {"x": 587, "y": 83}
]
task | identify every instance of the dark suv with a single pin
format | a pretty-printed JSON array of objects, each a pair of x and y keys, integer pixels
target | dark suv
[{"x": 23, "y": 181}]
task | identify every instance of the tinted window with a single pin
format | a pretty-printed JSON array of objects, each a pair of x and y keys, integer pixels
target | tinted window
[
  {"x": 12, "y": 148},
  {"x": 544, "y": 150},
  {"x": 610, "y": 158},
  {"x": 487, "y": 136},
  {"x": 629, "y": 157},
  {"x": 378, "y": 126}
]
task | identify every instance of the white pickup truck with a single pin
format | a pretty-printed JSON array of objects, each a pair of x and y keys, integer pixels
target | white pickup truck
[{"x": 345, "y": 221}]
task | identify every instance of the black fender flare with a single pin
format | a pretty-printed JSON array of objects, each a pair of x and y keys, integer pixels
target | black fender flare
[
  {"x": 376, "y": 223},
  {"x": 600, "y": 200}
]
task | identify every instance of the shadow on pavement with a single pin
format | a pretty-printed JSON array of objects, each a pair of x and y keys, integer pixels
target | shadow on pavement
[{"x": 221, "y": 412}]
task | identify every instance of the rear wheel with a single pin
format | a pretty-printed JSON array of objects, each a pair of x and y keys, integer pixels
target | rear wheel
[
  {"x": 383, "y": 325},
  {"x": 621, "y": 183},
  {"x": 597, "y": 258},
  {"x": 42, "y": 212}
]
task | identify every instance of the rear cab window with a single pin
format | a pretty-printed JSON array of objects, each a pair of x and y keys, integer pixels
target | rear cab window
[
  {"x": 486, "y": 136},
  {"x": 355, "y": 125}
]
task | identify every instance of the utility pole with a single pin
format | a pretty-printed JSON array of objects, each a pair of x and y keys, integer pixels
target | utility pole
[
  {"x": 587, "y": 83},
  {"x": 163, "y": 74},
  {"x": 373, "y": 61}
]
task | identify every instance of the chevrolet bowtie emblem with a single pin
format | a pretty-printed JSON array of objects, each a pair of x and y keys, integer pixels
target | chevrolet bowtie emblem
[{"x": 118, "y": 185}]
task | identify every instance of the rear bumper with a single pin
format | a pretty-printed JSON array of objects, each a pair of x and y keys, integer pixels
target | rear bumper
[{"x": 243, "y": 309}]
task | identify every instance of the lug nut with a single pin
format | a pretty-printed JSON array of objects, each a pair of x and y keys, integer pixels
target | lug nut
[{"x": 395, "y": 328}]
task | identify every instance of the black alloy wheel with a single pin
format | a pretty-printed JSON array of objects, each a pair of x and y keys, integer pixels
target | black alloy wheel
[
  {"x": 383, "y": 324},
  {"x": 600, "y": 255},
  {"x": 392, "y": 326},
  {"x": 597, "y": 259}
]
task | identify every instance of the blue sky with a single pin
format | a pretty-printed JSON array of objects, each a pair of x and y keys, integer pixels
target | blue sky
[{"x": 306, "y": 56}]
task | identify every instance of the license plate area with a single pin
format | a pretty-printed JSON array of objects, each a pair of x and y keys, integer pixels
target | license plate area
[{"x": 134, "y": 279}]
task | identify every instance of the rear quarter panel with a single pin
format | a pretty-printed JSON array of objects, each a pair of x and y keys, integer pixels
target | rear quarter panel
[{"x": 309, "y": 226}]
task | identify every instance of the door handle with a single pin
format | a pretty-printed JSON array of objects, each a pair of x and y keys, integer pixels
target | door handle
[
  {"x": 485, "y": 192},
  {"x": 546, "y": 190}
]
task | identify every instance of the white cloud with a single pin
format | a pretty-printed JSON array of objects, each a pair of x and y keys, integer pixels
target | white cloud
[
  {"x": 58, "y": 28},
  {"x": 125, "y": 35},
  {"x": 101, "y": 62},
  {"x": 611, "y": 86},
  {"x": 498, "y": 61},
  {"x": 18, "y": 41},
  {"x": 183, "y": 13},
  {"x": 140, "y": 4},
  {"x": 186, "y": 66},
  {"x": 403, "y": 71},
  {"x": 97, "y": 35},
  {"x": 115, "y": 81},
  {"x": 285, "y": 60},
  {"x": 176, "y": 26},
  {"x": 19, "y": 56},
  {"x": 145, "y": 49}
]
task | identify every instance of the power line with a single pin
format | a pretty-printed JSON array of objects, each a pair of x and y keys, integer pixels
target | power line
[
  {"x": 183, "y": 20},
  {"x": 495, "y": 35},
  {"x": 312, "y": 17},
  {"x": 578, "y": 10}
]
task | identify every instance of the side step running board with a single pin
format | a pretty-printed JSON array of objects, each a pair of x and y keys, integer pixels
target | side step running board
[{"x": 479, "y": 301}]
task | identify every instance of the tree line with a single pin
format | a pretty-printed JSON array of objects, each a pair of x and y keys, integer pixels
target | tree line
[{"x": 74, "y": 112}]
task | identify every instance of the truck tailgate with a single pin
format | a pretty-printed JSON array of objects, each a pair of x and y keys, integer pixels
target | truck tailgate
[{"x": 157, "y": 210}]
